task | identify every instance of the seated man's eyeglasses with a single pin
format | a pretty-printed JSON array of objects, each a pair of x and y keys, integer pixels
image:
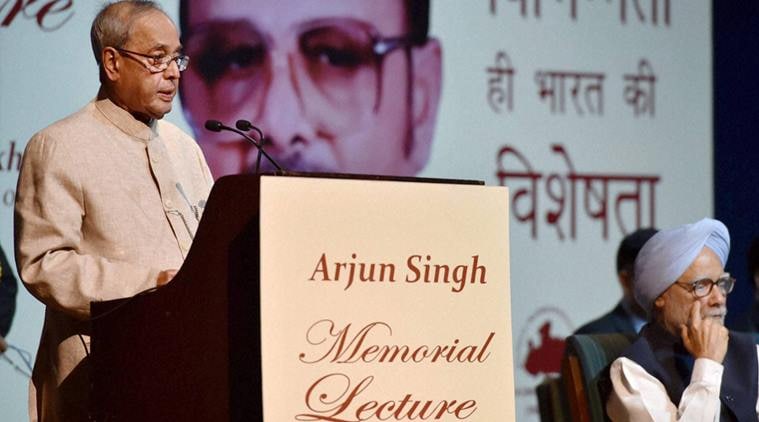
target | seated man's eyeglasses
[
  {"x": 159, "y": 63},
  {"x": 702, "y": 288}
]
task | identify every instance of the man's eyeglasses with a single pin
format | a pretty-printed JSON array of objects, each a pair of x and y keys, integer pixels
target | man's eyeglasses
[
  {"x": 159, "y": 63},
  {"x": 702, "y": 288},
  {"x": 338, "y": 61}
]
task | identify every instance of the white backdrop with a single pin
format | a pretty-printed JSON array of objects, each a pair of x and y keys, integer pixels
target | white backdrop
[{"x": 583, "y": 54}]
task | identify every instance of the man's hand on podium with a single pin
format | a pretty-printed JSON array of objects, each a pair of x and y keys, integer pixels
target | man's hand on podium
[{"x": 165, "y": 276}]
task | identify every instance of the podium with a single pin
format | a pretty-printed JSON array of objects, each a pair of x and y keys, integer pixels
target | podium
[{"x": 191, "y": 350}]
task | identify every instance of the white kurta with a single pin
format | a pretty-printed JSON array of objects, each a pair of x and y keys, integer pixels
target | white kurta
[{"x": 104, "y": 203}]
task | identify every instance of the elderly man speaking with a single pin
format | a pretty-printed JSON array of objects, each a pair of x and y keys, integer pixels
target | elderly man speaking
[{"x": 685, "y": 365}]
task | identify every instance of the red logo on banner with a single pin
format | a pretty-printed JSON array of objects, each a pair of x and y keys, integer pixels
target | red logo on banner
[
  {"x": 538, "y": 353},
  {"x": 49, "y": 15},
  {"x": 540, "y": 344},
  {"x": 545, "y": 357}
]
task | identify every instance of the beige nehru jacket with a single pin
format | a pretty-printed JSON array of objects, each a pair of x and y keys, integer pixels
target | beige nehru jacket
[{"x": 104, "y": 203}]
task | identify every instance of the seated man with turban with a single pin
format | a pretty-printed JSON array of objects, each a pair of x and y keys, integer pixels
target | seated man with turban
[{"x": 685, "y": 365}]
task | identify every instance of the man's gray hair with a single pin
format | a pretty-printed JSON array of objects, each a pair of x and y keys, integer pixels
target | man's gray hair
[{"x": 112, "y": 24}]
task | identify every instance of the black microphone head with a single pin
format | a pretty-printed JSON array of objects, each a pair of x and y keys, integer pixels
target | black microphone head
[
  {"x": 244, "y": 125},
  {"x": 213, "y": 125}
]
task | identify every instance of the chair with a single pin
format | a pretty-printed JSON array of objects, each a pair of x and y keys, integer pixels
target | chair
[
  {"x": 552, "y": 400},
  {"x": 585, "y": 360}
]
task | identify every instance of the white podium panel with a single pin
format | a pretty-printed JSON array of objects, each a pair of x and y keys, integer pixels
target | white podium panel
[{"x": 385, "y": 300}]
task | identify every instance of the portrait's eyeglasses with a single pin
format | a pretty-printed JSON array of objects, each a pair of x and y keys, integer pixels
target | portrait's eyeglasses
[
  {"x": 702, "y": 288},
  {"x": 339, "y": 61},
  {"x": 159, "y": 63}
]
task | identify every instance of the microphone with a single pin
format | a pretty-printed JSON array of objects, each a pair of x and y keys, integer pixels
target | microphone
[
  {"x": 246, "y": 126},
  {"x": 217, "y": 126},
  {"x": 214, "y": 125}
]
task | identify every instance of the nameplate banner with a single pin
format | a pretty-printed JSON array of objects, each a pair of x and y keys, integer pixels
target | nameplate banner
[{"x": 385, "y": 300}]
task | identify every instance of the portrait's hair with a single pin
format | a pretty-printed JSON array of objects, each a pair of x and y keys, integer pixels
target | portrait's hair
[
  {"x": 112, "y": 24},
  {"x": 417, "y": 16}
]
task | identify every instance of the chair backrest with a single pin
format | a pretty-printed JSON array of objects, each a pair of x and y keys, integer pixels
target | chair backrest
[
  {"x": 552, "y": 400},
  {"x": 586, "y": 358}
]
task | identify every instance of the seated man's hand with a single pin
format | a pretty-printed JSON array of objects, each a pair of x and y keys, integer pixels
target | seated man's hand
[
  {"x": 165, "y": 276},
  {"x": 704, "y": 338}
]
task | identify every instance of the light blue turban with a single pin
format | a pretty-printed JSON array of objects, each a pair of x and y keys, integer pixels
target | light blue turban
[{"x": 666, "y": 256}]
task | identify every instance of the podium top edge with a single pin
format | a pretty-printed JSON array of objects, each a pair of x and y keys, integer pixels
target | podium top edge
[{"x": 354, "y": 176}]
